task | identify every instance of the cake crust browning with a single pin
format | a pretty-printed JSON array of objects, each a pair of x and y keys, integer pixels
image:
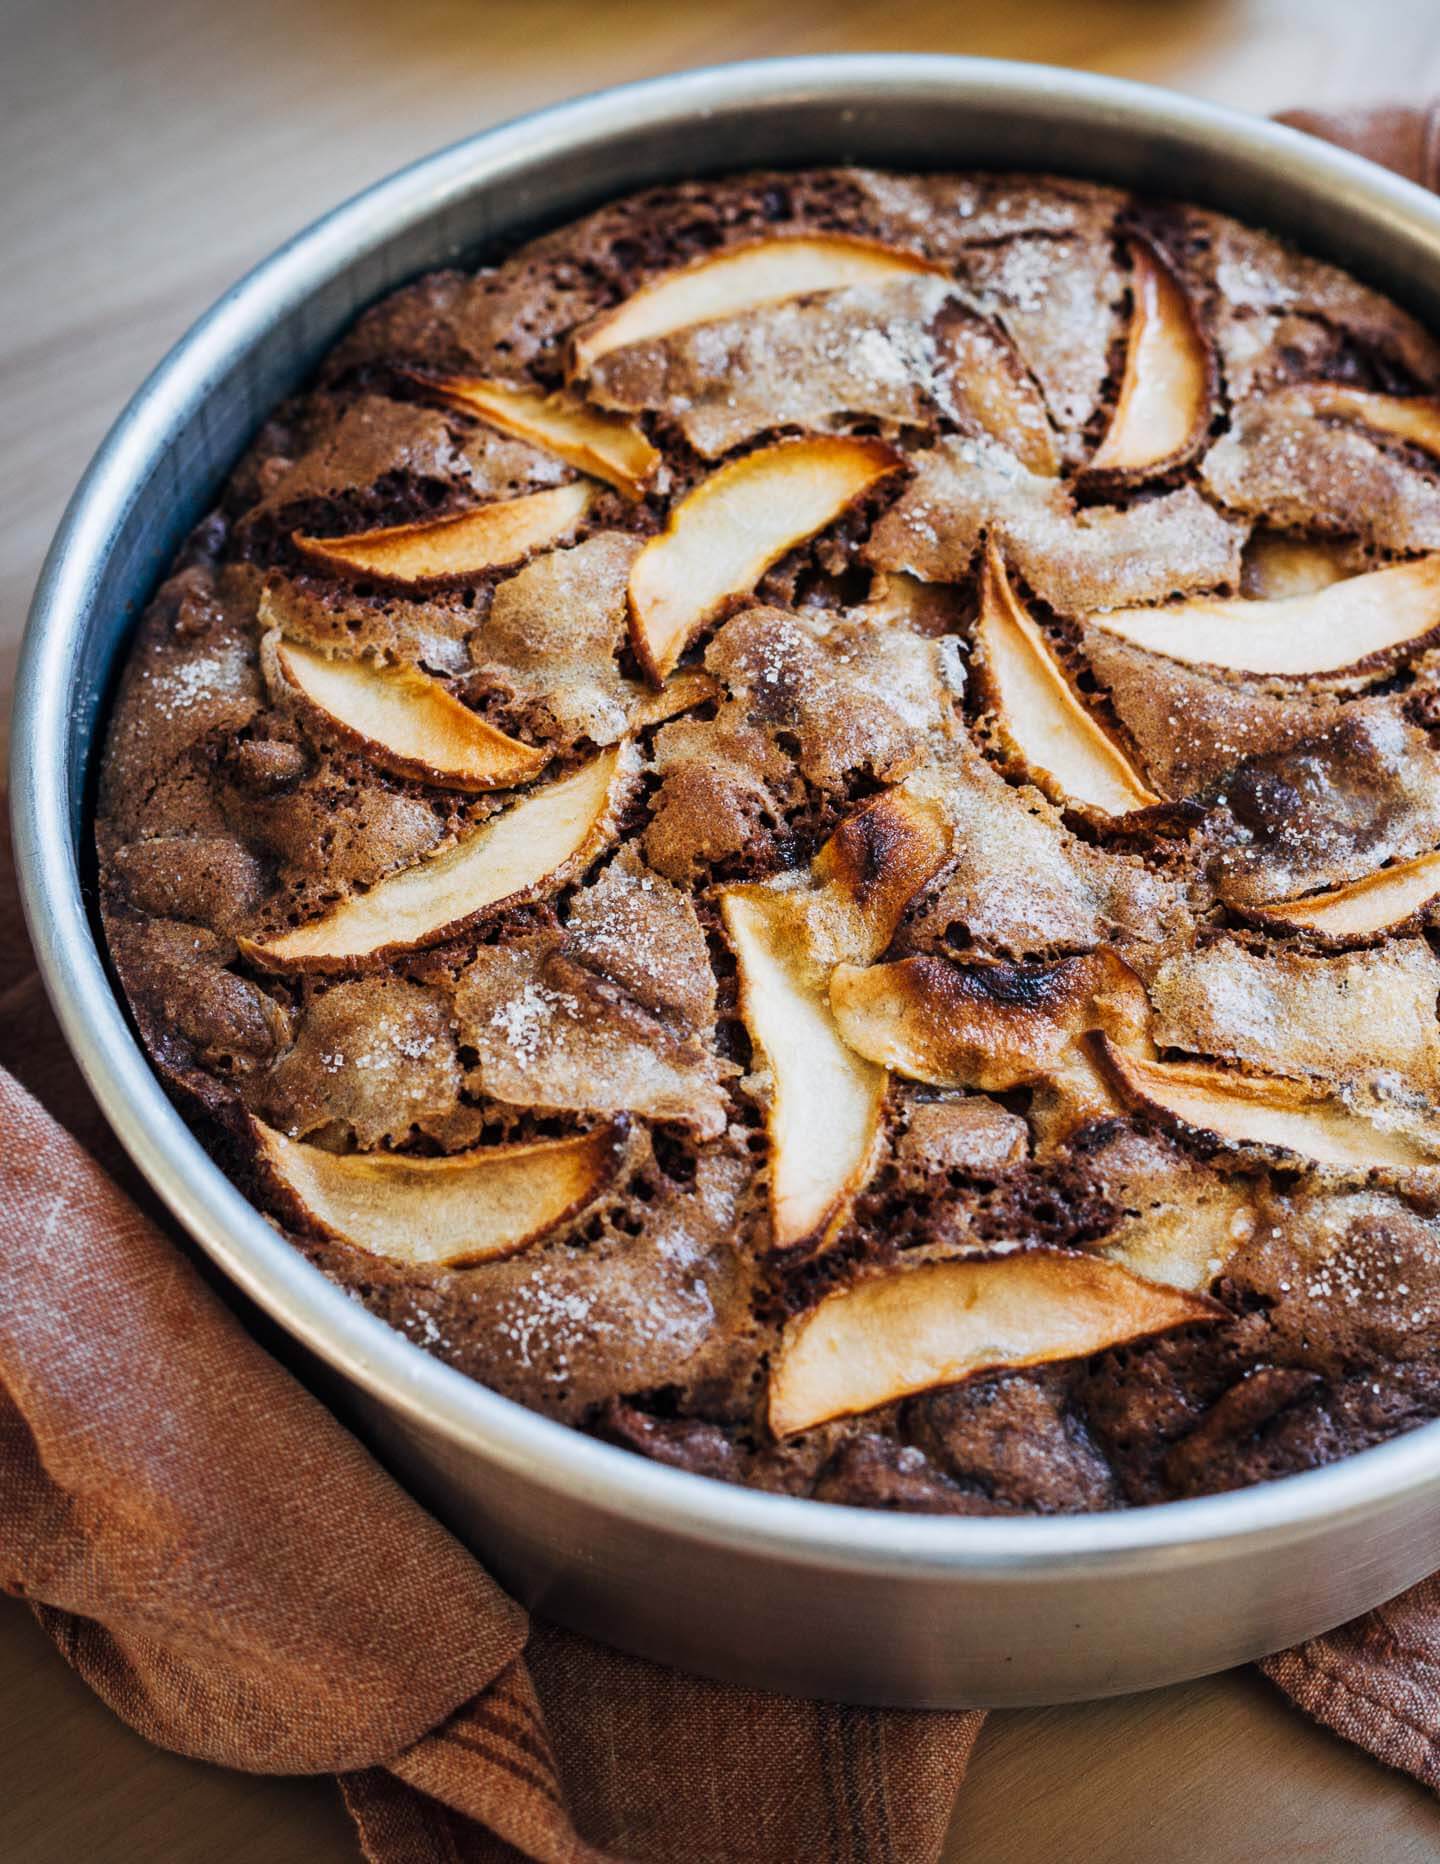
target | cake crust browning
[{"x": 801, "y": 826}]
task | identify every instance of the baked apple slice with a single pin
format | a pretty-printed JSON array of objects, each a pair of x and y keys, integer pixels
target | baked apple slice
[
  {"x": 728, "y": 283},
  {"x": 1038, "y": 715},
  {"x": 1323, "y": 632},
  {"x": 723, "y": 536},
  {"x": 1250, "y": 1110},
  {"x": 1415, "y": 419},
  {"x": 446, "y": 550},
  {"x": 439, "y": 1212},
  {"x": 606, "y": 446},
  {"x": 823, "y": 1115},
  {"x": 869, "y": 871},
  {"x": 681, "y": 694},
  {"x": 941, "y": 1323},
  {"x": 990, "y": 1025},
  {"x": 404, "y": 721},
  {"x": 1163, "y": 409},
  {"x": 992, "y": 384},
  {"x": 548, "y": 835},
  {"x": 1373, "y": 904}
]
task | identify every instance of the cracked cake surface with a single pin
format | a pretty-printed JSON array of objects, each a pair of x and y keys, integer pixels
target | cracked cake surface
[{"x": 800, "y": 826}]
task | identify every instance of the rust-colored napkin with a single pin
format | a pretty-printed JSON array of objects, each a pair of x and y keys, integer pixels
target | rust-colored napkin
[{"x": 234, "y": 1576}]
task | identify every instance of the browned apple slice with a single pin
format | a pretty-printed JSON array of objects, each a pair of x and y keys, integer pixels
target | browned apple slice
[
  {"x": 1037, "y": 711},
  {"x": 405, "y": 721},
  {"x": 728, "y": 283},
  {"x": 868, "y": 872},
  {"x": 1373, "y": 904},
  {"x": 606, "y": 446},
  {"x": 722, "y": 538},
  {"x": 547, "y": 835},
  {"x": 824, "y": 1109},
  {"x": 887, "y": 1338},
  {"x": 991, "y": 1025},
  {"x": 1163, "y": 409},
  {"x": 450, "y": 549},
  {"x": 1414, "y": 419},
  {"x": 1323, "y": 632},
  {"x": 439, "y": 1212},
  {"x": 1278, "y": 1115}
]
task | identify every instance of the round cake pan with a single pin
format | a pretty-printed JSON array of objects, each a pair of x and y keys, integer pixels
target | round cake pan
[{"x": 759, "y": 1589}]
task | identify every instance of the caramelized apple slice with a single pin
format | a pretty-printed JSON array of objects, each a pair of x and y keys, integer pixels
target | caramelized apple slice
[
  {"x": 439, "y": 1212},
  {"x": 824, "y": 1110},
  {"x": 551, "y": 833},
  {"x": 869, "y": 871},
  {"x": 1373, "y": 904},
  {"x": 1323, "y": 632},
  {"x": 1279, "y": 1115},
  {"x": 1414, "y": 419},
  {"x": 450, "y": 549},
  {"x": 1163, "y": 410},
  {"x": 606, "y": 446},
  {"x": 722, "y": 538},
  {"x": 1054, "y": 735},
  {"x": 405, "y": 721},
  {"x": 887, "y": 1338},
  {"x": 728, "y": 283},
  {"x": 991, "y": 1025}
]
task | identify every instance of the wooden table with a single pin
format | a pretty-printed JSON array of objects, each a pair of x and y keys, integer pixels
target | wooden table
[{"x": 153, "y": 150}]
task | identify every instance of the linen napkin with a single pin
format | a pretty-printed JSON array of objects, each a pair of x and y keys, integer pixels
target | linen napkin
[{"x": 230, "y": 1571}]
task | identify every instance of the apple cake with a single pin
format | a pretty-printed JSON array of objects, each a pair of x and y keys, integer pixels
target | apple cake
[{"x": 800, "y": 825}]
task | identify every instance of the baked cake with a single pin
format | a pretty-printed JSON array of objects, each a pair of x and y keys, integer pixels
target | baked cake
[{"x": 801, "y": 827}]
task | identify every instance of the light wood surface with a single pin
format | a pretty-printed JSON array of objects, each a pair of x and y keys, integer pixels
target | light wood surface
[{"x": 152, "y": 150}]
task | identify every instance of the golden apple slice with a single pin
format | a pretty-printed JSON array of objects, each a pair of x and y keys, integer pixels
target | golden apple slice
[
  {"x": 824, "y": 1111},
  {"x": 406, "y": 722},
  {"x": 729, "y": 283},
  {"x": 1279, "y": 1115},
  {"x": 1163, "y": 409},
  {"x": 941, "y": 1323},
  {"x": 606, "y": 446},
  {"x": 439, "y": 1212},
  {"x": 545, "y": 837},
  {"x": 1037, "y": 711},
  {"x": 1380, "y": 900},
  {"x": 991, "y": 1025},
  {"x": 721, "y": 539},
  {"x": 449, "y": 549},
  {"x": 1323, "y": 632},
  {"x": 1411, "y": 418}
]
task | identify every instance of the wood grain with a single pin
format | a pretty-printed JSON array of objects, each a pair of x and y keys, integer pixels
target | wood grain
[{"x": 153, "y": 150}]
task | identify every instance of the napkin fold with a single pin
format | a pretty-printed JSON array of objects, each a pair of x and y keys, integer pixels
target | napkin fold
[{"x": 233, "y": 1574}]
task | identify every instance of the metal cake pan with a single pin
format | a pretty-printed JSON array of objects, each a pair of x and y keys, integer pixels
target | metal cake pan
[{"x": 758, "y": 1589}]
